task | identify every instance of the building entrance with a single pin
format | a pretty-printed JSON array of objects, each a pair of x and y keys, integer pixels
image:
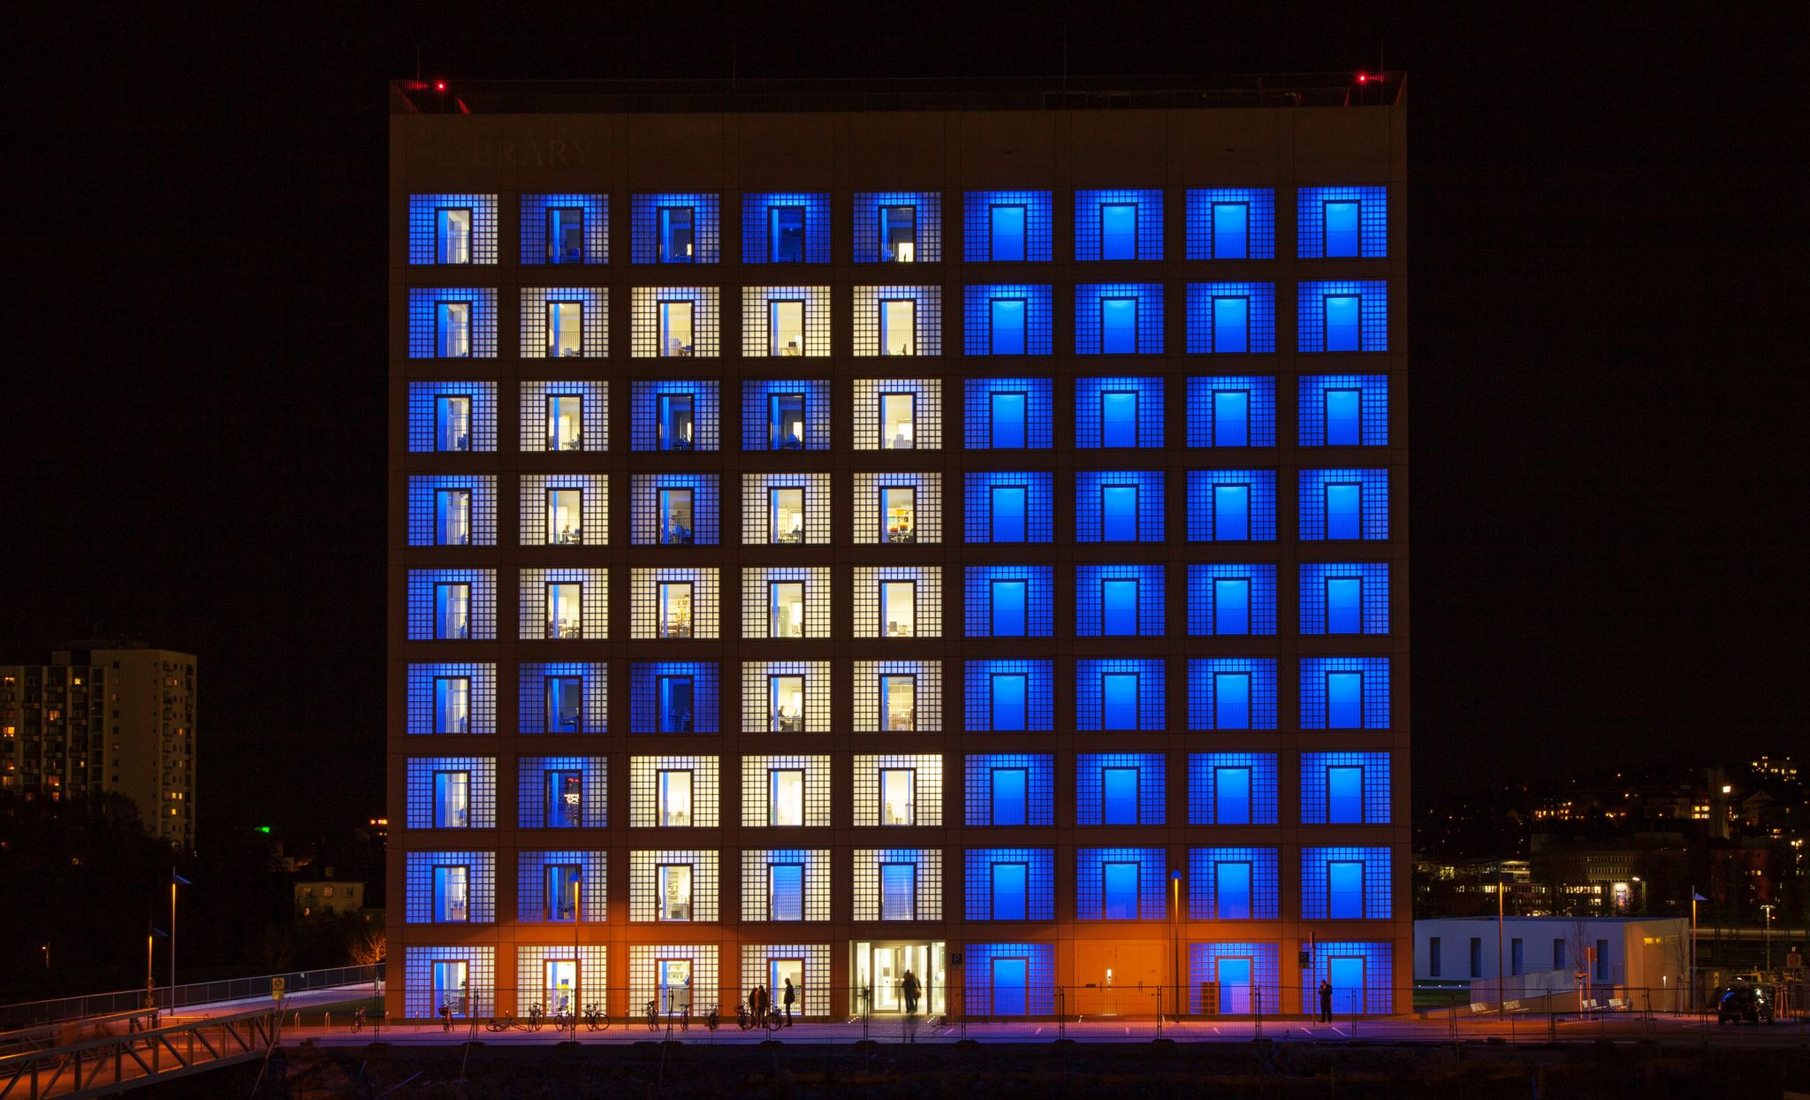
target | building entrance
[{"x": 880, "y": 969}]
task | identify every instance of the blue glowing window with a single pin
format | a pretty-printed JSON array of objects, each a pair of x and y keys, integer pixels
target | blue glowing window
[
  {"x": 565, "y": 229},
  {"x": 1119, "y": 600},
  {"x": 1009, "y": 695},
  {"x": 675, "y": 229},
  {"x": 1009, "y": 894},
  {"x": 1232, "y": 888},
  {"x": 676, "y": 697},
  {"x": 1231, "y": 318},
  {"x": 1119, "y": 319},
  {"x": 786, "y": 415},
  {"x": 1231, "y": 223},
  {"x": 452, "y": 229},
  {"x": 1343, "y": 316},
  {"x": 1007, "y": 690},
  {"x": 898, "y": 891},
  {"x": 1232, "y": 788},
  {"x": 1119, "y": 700},
  {"x": 1008, "y": 506},
  {"x": 1008, "y": 610},
  {"x": 1119, "y": 796},
  {"x": 1361, "y": 973},
  {"x": 1008, "y": 413},
  {"x": 1345, "y": 598},
  {"x": 1344, "y": 700},
  {"x": 1231, "y": 418},
  {"x": 1344, "y": 605},
  {"x": 1342, "y": 222},
  {"x": 1342, "y": 322},
  {"x": 1008, "y": 794},
  {"x": 1232, "y": 796},
  {"x": 1231, "y": 605},
  {"x": 1232, "y": 693},
  {"x": 1345, "y": 795},
  {"x": 1005, "y": 421},
  {"x": 1231, "y": 513},
  {"x": 898, "y": 227},
  {"x": 1119, "y": 607},
  {"x": 1123, "y": 411},
  {"x": 785, "y": 234},
  {"x": 1232, "y": 411},
  {"x": 1345, "y": 693},
  {"x": 1120, "y": 224},
  {"x": 1118, "y": 513},
  {"x": 1009, "y": 789},
  {"x": 675, "y": 415},
  {"x": 1344, "y": 504},
  {"x": 1343, "y": 420},
  {"x": 1345, "y": 889},
  {"x": 1118, "y": 418},
  {"x": 452, "y": 324},
  {"x": 1008, "y": 326},
  {"x": 1006, "y": 224},
  {"x": 785, "y": 891},
  {"x": 1231, "y": 325},
  {"x": 1231, "y": 230},
  {"x": 1118, "y": 231},
  {"x": 1345, "y": 788},
  {"x": 1341, "y": 219},
  {"x": 1120, "y": 889},
  {"x": 1232, "y": 700},
  {"x": 1014, "y": 319},
  {"x": 677, "y": 234},
  {"x": 1119, "y": 326},
  {"x": 1344, "y": 510},
  {"x": 898, "y": 234},
  {"x": 1119, "y": 789}
]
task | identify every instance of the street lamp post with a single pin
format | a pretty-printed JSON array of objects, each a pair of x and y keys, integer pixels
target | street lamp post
[
  {"x": 1175, "y": 941},
  {"x": 1501, "y": 919},
  {"x": 577, "y": 967},
  {"x": 1766, "y": 934}
]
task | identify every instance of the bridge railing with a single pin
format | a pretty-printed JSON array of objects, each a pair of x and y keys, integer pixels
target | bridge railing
[
  {"x": 116, "y": 1062},
  {"x": 174, "y": 998}
]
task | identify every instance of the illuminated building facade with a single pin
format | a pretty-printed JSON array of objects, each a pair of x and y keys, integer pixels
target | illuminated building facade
[{"x": 838, "y": 541}]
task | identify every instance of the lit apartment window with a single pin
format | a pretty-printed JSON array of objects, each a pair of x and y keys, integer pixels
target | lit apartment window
[
  {"x": 898, "y": 891},
  {"x": 452, "y": 235},
  {"x": 452, "y": 704},
  {"x": 673, "y": 698},
  {"x": 785, "y": 234},
  {"x": 565, "y": 234},
  {"x": 562, "y": 897},
  {"x": 564, "y": 794},
  {"x": 452, "y": 800},
  {"x": 675, "y": 327},
  {"x": 897, "y": 421},
  {"x": 673, "y": 798},
  {"x": 1007, "y": 232},
  {"x": 785, "y": 422},
  {"x": 785, "y": 609},
  {"x": 452, "y": 422},
  {"x": 565, "y": 517},
  {"x": 673, "y": 881},
  {"x": 1010, "y": 795},
  {"x": 898, "y": 318},
  {"x": 565, "y": 329},
  {"x": 898, "y": 608},
  {"x": 675, "y": 234},
  {"x": 564, "y": 704},
  {"x": 452, "y": 517},
  {"x": 898, "y": 511},
  {"x": 564, "y": 615},
  {"x": 673, "y": 610},
  {"x": 785, "y": 513},
  {"x": 674, "y": 420},
  {"x": 785, "y": 796},
  {"x": 898, "y": 234},
  {"x": 896, "y": 787},
  {"x": 452, "y": 611},
  {"x": 452, "y": 893},
  {"x": 899, "y": 702},
  {"x": 452, "y": 330},
  {"x": 676, "y": 523},
  {"x": 565, "y": 422},
  {"x": 785, "y": 327},
  {"x": 785, "y": 703}
]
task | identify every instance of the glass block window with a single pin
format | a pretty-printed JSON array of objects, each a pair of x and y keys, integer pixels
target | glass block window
[
  {"x": 1118, "y": 319},
  {"x": 428, "y": 974},
  {"x": 1009, "y": 979},
  {"x": 1039, "y": 786},
  {"x": 1119, "y": 600},
  {"x": 675, "y": 976},
  {"x": 881, "y": 894},
  {"x": 687, "y": 615},
  {"x": 884, "y": 421},
  {"x": 656, "y": 239},
  {"x": 770, "y": 515},
  {"x": 688, "y": 806},
  {"x": 1232, "y": 411},
  {"x": 880, "y": 235},
  {"x": 1344, "y": 597},
  {"x": 1111, "y": 505},
  {"x": 1007, "y": 319},
  {"x": 874, "y": 713},
  {"x": 812, "y": 619},
  {"x": 1259, "y": 964},
  {"x": 466, "y": 330},
  {"x": 538, "y": 984},
  {"x": 1345, "y": 788},
  {"x": 1094, "y": 788},
  {"x": 531, "y": 900},
  {"x": 452, "y": 229},
  {"x": 1344, "y": 504},
  {"x": 1009, "y": 601},
  {"x": 548, "y": 422},
  {"x": 551, "y": 235},
  {"x": 1231, "y": 318},
  {"x": 786, "y": 227},
  {"x": 448, "y": 697},
  {"x": 544, "y": 784},
  {"x": 1007, "y": 414},
  {"x": 432, "y": 523},
  {"x": 786, "y": 697},
  {"x": 1345, "y": 693},
  {"x": 1038, "y": 883},
  {"x": 757, "y": 881},
  {"x": 1343, "y": 410},
  {"x": 1119, "y": 224},
  {"x": 786, "y": 415},
  {"x": 1119, "y": 695},
  {"x": 548, "y": 609},
  {"x": 434, "y": 426},
  {"x": 547, "y": 518},
  {"x": 1232, "y": 223},
  {"x": 1006, "y": 226},
  {"x": 919, "y": 801},
  {"x": 1342, "y": 221},
  {"x": 762, "y": 961},
  {"x": 697, "y": 679},
  {"x": 1256, "y": 774},
  {"x": 1261, "y": 888},
  {"x": 1320, "y": 883},
  {"x": 479, "y": 811},
  {"x": 644, "y": 416},
  {"x": 997, "y": 692},
  {"x": 872, "y": 620},
  {"x": 1008, "y": 506},
  {"x": 644, "y": 902},
  {"x": 785, "y": 322},
  {"x": 649, "y": 526},
  {"x": 884, "y": 515},
  {"x": 467, "y": 614},
  {"x": 548, "y": 700},
  {"x": 883, "y": 325},
  {"x": 1098, "y": 883},
  {"x": 1362, "y": 976},
  {"x": 475, "y": 902},
  {"x": 565, "y": 322},
  {"x": 1342, "y": 316},
  {"x": 656, "y": 332},
  {"x": 1231, "y": 599},
  {"x": 1231, "y": 506},
  {"x": 1232, "y": 693},
  {"x": 757, "y": 789},
  {"x": 1118, "y": 412}
]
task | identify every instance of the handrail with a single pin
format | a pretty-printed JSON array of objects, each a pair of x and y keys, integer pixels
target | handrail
[{"x": 84, "y": 1005}]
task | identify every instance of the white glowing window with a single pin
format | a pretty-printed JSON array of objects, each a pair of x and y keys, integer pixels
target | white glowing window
[
  {"x": 786, "y": 327},
  {"x": 565, "y": 422},
  {"x": 898, "y": 421},
  {"x": 452, "y": 704},
  {"x": 898, "y": 316},
  {"x": 785, "y": 605},
  {"x": 674, "y": 610},
  {"x": 564, "y": 618},
  {"x": 452, "y": 517},
  {"x": 674, "y": 884},
  {"x": 676, "y": 527},
  {"x": 452, "y": 611},
  {"x": 785, "y": 796},
  {"x": 452, "y": 230},
  {"x": 565, "y": 517},
  {"x": 452, "y": 423},
  {"x": 674, "y": 793},
  {"x": 785, "y": 703},
  {"x": 898, "y": 608},
  {"x": 452, "y": 325},
  {"x": 898, "y": 507},
  {"x": 896, "y": 786},
  {"x": 675, "y": 328},
  {"x": 786, "y": 515},
  {"x": 565, "y": 329},
  {"x": 899, "y": 697}
]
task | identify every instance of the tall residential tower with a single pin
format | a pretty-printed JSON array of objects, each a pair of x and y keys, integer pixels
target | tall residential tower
[{"x": 840, "y": 530}]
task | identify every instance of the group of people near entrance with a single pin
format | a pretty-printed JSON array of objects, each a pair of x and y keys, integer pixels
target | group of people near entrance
[{"x": 760, "y": 1004}]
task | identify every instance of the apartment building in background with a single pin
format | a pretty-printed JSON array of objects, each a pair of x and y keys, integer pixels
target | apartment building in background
[
  {"x": 839, "y": 530},
  {"x": 112, "y": 717}
]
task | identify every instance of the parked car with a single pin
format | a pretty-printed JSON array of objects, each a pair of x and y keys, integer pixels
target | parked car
[{"x": 1745, "y": 1004}]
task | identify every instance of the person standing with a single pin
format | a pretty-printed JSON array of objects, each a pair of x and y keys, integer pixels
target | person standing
[
  {"x": 909, "y": 987},
  {"x": 791, "y": 995},
  {"x": 1326, "y": 1000}
]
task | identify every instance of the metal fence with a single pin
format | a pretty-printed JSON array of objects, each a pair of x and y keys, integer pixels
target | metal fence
[{"x": 173, "y": 998}]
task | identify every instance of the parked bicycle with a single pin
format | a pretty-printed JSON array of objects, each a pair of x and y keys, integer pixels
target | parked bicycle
[
  {"x": 536, "y": 1017},
  {"x": 652, "y": 1009},
  {"x": 595, "y": 1018},
  {"x": 714, "y": 1017},
  {"x": 358, "y": 1021}
]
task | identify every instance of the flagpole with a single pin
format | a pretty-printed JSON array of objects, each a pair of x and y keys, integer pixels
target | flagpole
[{"x": 173, "y": 880}]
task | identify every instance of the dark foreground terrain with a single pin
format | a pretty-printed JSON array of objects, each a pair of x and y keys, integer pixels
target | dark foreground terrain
[{"x": 1095, "y": 1071}]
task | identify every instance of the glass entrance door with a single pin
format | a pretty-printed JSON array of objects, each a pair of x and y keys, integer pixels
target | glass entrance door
[
  {"x": 561, "y": 982},
  {"x": 674, "y": 976},
  {"x": 450, "y": 986},
  {"x": 1234, "y": 986},
  {"x": 881, "y": 967}
]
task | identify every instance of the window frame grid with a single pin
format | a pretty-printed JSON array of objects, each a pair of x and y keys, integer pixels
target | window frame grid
[
  {"x": 1039, "y": 599},
  {"x": 1039, "y": 504},
  {"x": 1373, "y": 219},
  {"x": 926, "y": 789},
  {"x": 1373, "y": 314},
  {"x": 1090, "y": 507},
  {"x": 813, "y": 995},
  {"x": 594, "y": 507},
  {"x": 927, "y": 702},
  {"x": 1266, "y": 881},
  {"x": 593, "y": 313},
  {"x": 418, "y": 961},
  {"x": 1202, "y": 690},
  {"x": 1090, "y": 323},
  {"x": 531, "y": 783},
  {"x": 756, "y": 506},
  {"x": 1373, "y": 407},
  {"x": 1376, "y": 794},
  {"x": 1203, "y": 780},
  {"x": 422, "y": 489},
  {"x": 644, "y": 228},
  {"x": 595, "y": 208},
  {"x": 1374, "y": 606},
  {"x": 644, "y": 882},
  {"x": 1039, "y": 412},
  {"x": 1090, "y": 785},
  {"x": 755, "y": 688},
  {"x": 481, "y": 611},
  {"x": 1260, "y": 504},
  {"x": 644, "y": 413},
  {"x": 423, "y": 432},
  {"x": 756, "y": 423},
  {"x": 424, "y": 321},
  {"x": 927, "y": 505},
  {"x": 1316, "y": 888},
  {"x": 1090, "y": 417},
  {"x": 1260, "y": 225},
  {"x": 927, "y": 224},
  {"x": 644, "y": 507},
  {"x": 1039, "y": 886},
  {"x": 926, "y": 413},
  {"x": 644, "y": 678},
  {"x": 644, "y": 795},
  {"x": 1259, "y": 317},
  {"x": 1266, "y": 972},
  {"x": 926, "y": 319},
  {"x": 926, "y": 605},
  {"x": 593, "y": 975},
  {"x": 531, "y": 703},
  {"x": 531, "y": 884},
  {"x": 1376, "y": 688},
  {"x": 757, "y": 321},
  {"x": 1090, "y": 695},
  {"x": 927, "y": 888},
  {"x": 756, "y": 599},
  {"x": 424, "y": 230},
  {"x": 644, "y": 976},
  {"x": 1039, "y": 692},
  {"x": 757, "y": 797},
  {"x": 1090, "y": 230},
  {"x": 593, "y": 604},
  {"x": 1039, "y": 316},
  {"x": 1090, "y": 599},
  {"x": 1261, "y": 612},
  {"x": 977, "y": 224},
  {"x": 419, "y": 772},
  {"x": 757, "y": 216},
  {"x": 594, "y": 416},
  {"x": 1090, "y": 882},
  {"x": 418, "y": 874},
  {"x": 644, "y": 601},
  {"x": 420, "y": 679},
  {"x": 1260, "y": 409},
  {"x": 1373, "y": 495},
  {"x": 757, "y": 884},
  {"x": 644, "y": 320}
]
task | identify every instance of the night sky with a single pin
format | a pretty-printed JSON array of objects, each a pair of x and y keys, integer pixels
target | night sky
[{"x": 1607, "y": 243}]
